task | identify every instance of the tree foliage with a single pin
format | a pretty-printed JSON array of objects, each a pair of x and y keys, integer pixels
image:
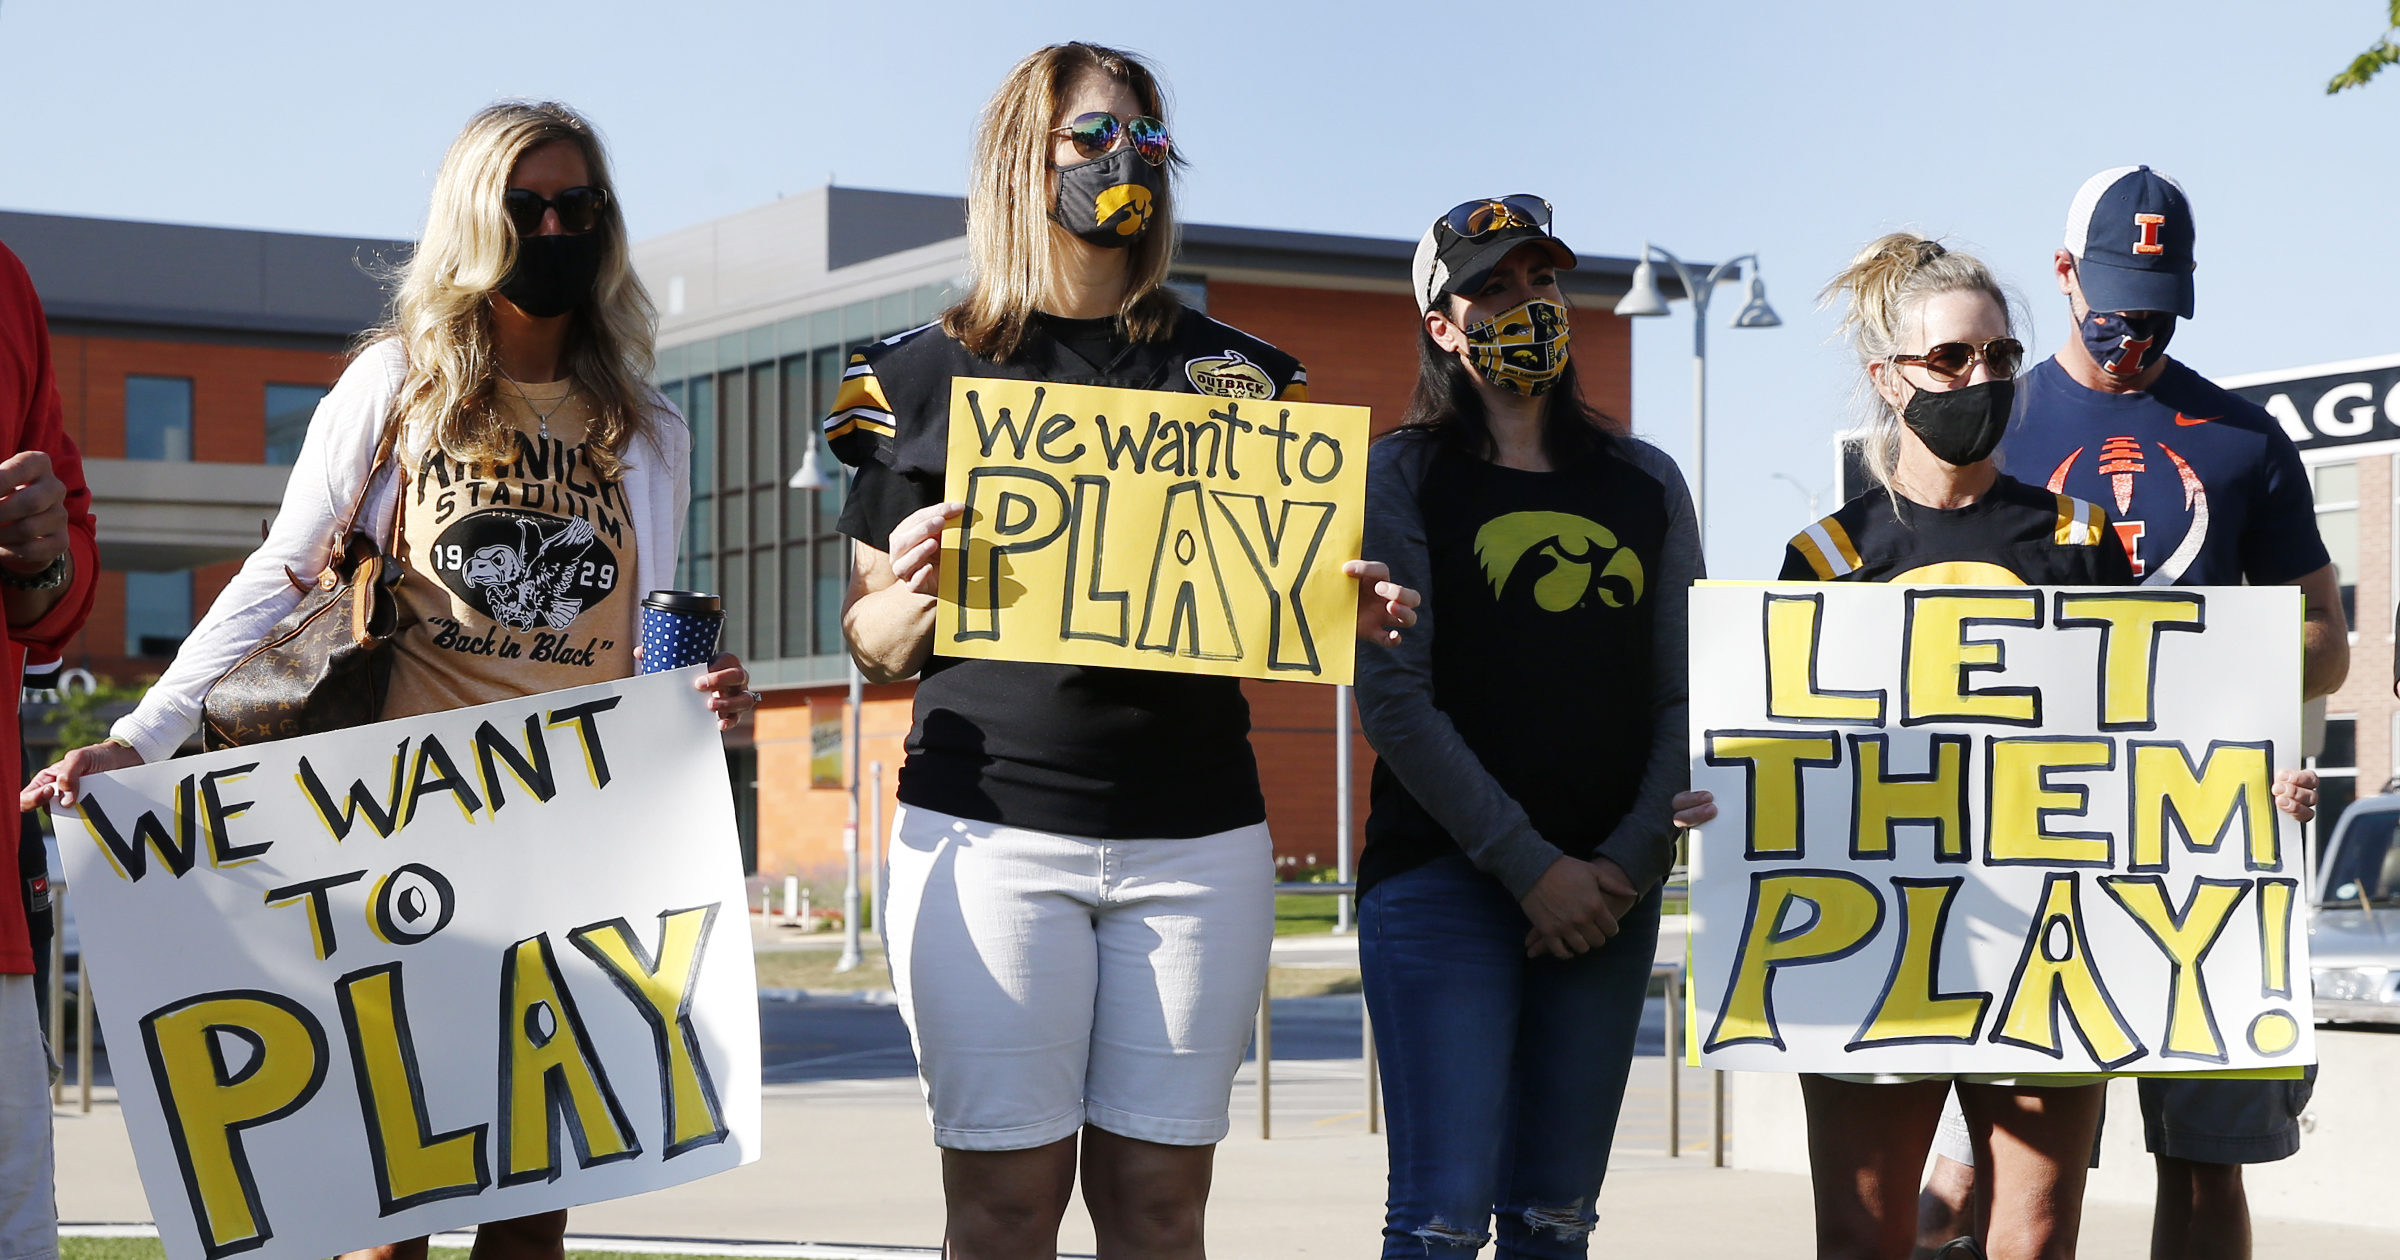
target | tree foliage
[
  {"x": 84, "y": 716},
  {"x": 2383, "y": 52}
]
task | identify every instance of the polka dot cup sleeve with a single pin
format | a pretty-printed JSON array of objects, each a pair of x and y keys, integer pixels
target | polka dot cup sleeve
[{"x": 679, "y": 628}]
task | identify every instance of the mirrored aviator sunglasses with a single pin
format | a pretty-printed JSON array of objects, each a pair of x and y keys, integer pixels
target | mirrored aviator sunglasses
[
  {"x": 1096, "y": 133},
  {"x": 1487, "y": 215},
  {"x": 1954, "y": 359},
  {"x": 578, "y": 209}
]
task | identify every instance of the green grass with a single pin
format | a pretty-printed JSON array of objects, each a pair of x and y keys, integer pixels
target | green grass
[
  {"x": 1299, "y": 916},
  {"x": 813, "y": 969},
  {"x": 110, "y": 1249}
]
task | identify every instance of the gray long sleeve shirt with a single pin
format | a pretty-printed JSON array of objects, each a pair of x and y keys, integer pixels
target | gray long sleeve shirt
[{"x": 1545, "y": 677}]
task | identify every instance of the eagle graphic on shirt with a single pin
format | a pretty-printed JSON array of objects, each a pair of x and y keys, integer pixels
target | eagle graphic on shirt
[{"x": 526, "y": 569}]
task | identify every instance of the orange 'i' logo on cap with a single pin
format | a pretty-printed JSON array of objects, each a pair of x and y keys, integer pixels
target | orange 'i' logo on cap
[{"x": 2146, "y": 226}]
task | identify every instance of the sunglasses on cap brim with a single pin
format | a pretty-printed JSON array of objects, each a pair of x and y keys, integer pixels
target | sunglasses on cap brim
[{"x": 1472, "y": 219}]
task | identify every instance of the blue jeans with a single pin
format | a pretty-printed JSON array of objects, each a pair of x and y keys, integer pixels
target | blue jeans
[{"x": 1502, "y": 1074}]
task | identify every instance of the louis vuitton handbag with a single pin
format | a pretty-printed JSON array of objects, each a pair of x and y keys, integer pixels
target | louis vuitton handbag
[{"x": 326, "y": 665}]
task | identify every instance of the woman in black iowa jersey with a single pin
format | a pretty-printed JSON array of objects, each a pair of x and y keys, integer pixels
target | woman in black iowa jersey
[
  {"x": 1081, "y": 879},
  {"x": 1936, "y": 335}
]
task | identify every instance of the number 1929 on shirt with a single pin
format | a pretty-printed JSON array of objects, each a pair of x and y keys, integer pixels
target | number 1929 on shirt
[{"x": 1152, "y": 530}]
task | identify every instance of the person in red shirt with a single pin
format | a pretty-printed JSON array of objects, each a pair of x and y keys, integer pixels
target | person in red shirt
[{"x": 49, "y": 564}]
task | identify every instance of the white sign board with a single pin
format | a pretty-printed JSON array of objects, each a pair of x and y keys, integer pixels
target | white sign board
[
  {"x": 369, "y": 985},
  {"x": 2005, "y": 830}
]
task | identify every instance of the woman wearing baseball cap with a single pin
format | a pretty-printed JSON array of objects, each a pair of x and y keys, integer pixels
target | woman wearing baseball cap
[{"x": 1510, "y": 882}]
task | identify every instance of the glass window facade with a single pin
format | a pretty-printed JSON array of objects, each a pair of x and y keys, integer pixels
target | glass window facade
[
  {"x": 2337, "y": 774},
  {"x": 756, "y": 401},
  {"x": 158, "y": 417},
  {"x": 289, "y": 408},
  {"x": 2336, "y": 490},
  {"x": 158, "y": 612}
]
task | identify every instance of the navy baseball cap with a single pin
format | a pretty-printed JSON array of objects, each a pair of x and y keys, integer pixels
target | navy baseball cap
[{"x": 2130, "y": 231}]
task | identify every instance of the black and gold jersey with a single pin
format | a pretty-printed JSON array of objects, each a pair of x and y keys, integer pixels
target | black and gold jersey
[
  {"x": 2015, "y": 535},
  {"x": 1077, "y": 750}
]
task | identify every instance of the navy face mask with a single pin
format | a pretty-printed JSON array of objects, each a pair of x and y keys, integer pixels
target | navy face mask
[{"x": 2125, "y": 343}]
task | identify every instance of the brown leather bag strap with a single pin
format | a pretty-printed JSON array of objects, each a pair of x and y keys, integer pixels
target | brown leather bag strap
[{"x": 384, "y": 446}]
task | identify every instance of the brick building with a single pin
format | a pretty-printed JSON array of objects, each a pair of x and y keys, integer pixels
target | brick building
[
  {"x": 2345, "y": 417},
  {"x": 189, "y": 360},
  {"x": 758, "y": 313}
]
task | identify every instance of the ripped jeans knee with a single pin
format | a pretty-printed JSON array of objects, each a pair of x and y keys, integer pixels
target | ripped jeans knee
[
  {"x": 1441, "y": 1238},
  {"x": 1571, "y": 1222}
]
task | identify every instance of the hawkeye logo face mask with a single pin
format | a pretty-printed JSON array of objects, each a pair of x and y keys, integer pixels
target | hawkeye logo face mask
[
  {"x": 1108, "y": 200},
  {"x": 1522, "y": 349},
  {"x": 1566, "y": 561}
]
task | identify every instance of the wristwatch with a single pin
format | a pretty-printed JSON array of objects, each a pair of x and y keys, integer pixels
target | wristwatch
[{"x": 49, "y": 577}]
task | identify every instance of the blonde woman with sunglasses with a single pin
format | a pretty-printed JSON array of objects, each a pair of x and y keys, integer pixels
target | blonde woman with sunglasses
[
  {"x": 536, "y": 491},
  {"x": 1081, "y": 875},
  {"x": 1937, "y": 343}
]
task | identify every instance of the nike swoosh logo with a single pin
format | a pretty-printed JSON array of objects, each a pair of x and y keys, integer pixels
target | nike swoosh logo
[{"x": 2188, "y": 421}]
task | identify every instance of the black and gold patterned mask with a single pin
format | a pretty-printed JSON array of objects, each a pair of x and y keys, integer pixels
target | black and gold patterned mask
[{"x": 1522, "y": 349}]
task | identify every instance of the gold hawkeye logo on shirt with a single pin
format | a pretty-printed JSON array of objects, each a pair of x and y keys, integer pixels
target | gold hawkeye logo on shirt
[{"x": 1583, "y": 559}]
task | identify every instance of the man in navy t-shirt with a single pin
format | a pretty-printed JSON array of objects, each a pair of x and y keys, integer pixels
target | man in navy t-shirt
[{"x": 2204, "y": 490}]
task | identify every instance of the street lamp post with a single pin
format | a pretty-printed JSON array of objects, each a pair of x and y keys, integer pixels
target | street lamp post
[
  {"x": 812, "y": 477},
  {"x": 1805, "y": 492},
  {"x": 1644, "y": 298}
]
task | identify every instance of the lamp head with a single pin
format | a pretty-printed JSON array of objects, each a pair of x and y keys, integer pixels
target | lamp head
[
  {"x": 811, "y": 474},
  {"x": 1643, "y": 298},
  {"x": 1756, "y": 313}
]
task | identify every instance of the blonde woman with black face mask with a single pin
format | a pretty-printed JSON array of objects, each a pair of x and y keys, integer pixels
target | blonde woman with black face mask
[
  {"x": 1080, "y": 869},
  {"x": 519, "y": 331}
]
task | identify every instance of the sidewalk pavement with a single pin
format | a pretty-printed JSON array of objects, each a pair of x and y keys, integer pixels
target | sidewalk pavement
[{"x": 851, "y": 1162}]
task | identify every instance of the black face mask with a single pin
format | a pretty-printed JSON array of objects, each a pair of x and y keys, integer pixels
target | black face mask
[
  {"x": 554, "y": 274},
  {"x": 1108, "y": 200},
  {"x": 1961, "y": 426},
  {"x": 2123, "y": 343}
]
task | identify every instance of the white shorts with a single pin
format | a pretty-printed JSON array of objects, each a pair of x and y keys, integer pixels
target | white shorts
[
  {"x": 28, "y": 1204},
  {"x": 1052, "y": 981}
]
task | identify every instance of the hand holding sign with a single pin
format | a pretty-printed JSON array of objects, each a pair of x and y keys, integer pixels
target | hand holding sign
[
  {"x": 62, "y": 781},
  {"x": 1385, "y": 608},
  {"x": 916, "y": 549}
]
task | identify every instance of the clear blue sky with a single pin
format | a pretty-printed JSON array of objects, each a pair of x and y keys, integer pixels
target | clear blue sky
[{"x": 1798, "y": 131}]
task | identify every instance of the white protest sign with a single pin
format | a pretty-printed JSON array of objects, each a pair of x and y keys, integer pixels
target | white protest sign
[
  {"x": 2004, "y": 830},
  {"x": 368, "y": 985}
]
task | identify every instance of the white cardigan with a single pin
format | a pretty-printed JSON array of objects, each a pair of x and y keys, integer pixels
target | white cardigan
[{"x": 334, "y": 458}]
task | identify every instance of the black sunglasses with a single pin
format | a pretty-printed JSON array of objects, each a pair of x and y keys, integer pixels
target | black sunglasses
[
  {"x": 578, "y": 208},
  {"x": 1953, "y": 359},
  {"x": 1096, "y": 133},
  {"x": 1487, "y": 215}
]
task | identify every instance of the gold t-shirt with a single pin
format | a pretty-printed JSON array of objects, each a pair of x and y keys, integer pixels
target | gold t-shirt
[{"x": 512, "y": 577}]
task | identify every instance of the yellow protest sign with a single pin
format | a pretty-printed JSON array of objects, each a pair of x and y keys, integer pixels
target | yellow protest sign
[{"x": 1152, "y": 530}]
